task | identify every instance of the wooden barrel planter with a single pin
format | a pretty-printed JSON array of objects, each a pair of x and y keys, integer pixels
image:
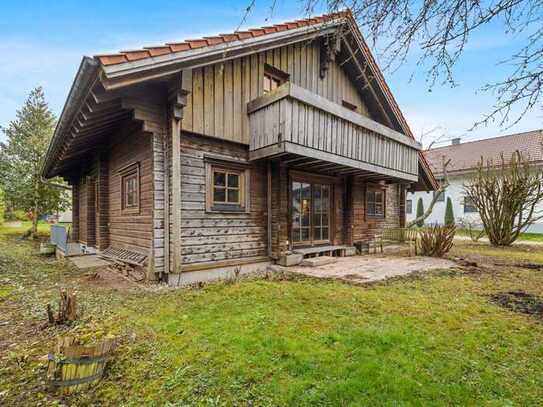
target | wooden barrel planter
[{"x": 73, "y": 367}]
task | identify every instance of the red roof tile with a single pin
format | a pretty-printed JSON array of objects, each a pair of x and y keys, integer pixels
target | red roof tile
[
  {"x": 466, "y": 156},
  {"x": 168, "y": 48}
]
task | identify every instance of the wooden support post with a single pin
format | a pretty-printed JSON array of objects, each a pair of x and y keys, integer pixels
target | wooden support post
[
  {"x": 178, "y": 100},
  {"x": 176, "y": 190},
  {"x": 269, "y": 207},
  {"x": 166, "y": 149}
]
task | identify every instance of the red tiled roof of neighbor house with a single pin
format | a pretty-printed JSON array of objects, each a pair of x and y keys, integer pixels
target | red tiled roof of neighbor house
[
  {"x": 466, "y": 156},
  {"x": 174, "y": 47}
]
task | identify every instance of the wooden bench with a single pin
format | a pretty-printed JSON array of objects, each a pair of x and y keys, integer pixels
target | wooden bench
[{"x": 398, "y": 235}]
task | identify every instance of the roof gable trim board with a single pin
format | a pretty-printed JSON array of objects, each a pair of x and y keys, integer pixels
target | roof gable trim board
[{"x": 127, "y": 68}]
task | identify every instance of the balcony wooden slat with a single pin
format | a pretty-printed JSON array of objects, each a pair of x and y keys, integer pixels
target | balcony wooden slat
[{"x": 293, "y": 120}]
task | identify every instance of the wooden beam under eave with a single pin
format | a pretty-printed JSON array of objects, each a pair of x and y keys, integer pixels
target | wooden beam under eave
[{"x": 370, "y": 86}]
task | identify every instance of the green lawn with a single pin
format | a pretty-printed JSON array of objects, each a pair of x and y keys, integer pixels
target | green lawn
[
  {"x": 434, "y": 339},
  {"x": 531, "y": 237}
]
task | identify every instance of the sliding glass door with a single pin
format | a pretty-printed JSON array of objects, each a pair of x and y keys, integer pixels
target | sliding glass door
[{"x": 310, "y": 213}]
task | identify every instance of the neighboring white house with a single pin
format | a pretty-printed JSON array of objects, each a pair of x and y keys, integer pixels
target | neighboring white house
[{"x": 464, "y": 159}]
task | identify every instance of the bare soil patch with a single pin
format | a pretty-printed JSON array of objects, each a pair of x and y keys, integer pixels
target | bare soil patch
[{"x": 520, "y": 301}]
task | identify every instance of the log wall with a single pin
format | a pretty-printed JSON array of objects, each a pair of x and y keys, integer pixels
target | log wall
[
  {"x": 131, "y": 231},
  {"x": 208, "y": 236}
]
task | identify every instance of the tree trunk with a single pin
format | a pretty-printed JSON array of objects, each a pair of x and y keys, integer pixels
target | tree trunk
[{"x": 34, "y": 231}]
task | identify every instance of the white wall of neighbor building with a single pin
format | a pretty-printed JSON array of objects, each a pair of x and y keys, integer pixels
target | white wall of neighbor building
[{"x": 456, "y": 192}]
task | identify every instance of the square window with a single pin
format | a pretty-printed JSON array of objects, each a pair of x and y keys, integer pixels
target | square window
[
  {"x": 441, "y": 196},
  {"x": 226, "y": 188},
  {"x": 469, "y": 206}
]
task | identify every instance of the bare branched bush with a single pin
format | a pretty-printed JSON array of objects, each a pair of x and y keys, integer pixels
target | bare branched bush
[
  {"x": 474, "y": 229},
  {"x": 506, "y": 194},
  {"x": 436, "y": 240}
]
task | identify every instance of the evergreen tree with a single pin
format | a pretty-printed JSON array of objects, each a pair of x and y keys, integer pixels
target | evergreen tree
[
  {"x": 2, "y": 206},
  {"x": 420, "y": 212},
  {"x": 21, "y": 159},
  {"x": 449, "y": 214}
]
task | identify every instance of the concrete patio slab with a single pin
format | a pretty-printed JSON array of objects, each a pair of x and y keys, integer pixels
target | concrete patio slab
[
  {"x": 367, "y": 269},
  {"x": 88, "y": 262}
]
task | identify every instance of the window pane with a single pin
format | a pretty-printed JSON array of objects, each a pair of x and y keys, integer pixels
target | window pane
[
  {"x": 296, "y": 234},
  {"x": 317, "y": 219},
  {"x": 305, "y": 219},
  {"x": 325, "y": 234},
  {"x": 130, "y": 191},
  {"x": 219, "y": 195},
  {"x": 325, "y": 193},
  {"x": 305, "y": 234},
  {"x": 219, "y": 178},
  {"x": 233, "y": 195},
  {"x": 317, "y": 233},
  {"x": 306, "y": 191},
  {"x": 233, "y": 180},
  {"x": 324, "y": 219},
  {"x": 296, "y": 221}
]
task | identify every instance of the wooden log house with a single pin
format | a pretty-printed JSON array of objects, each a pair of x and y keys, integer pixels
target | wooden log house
[{"x": 228, "y": 151}]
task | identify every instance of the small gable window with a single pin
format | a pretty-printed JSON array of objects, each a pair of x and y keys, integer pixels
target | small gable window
[
  {"x": 130, "y": 188},
  {"x": 273, "y": 78},
  {"x": 349, "y": 105},
  {"x": 375, "y": 203}
]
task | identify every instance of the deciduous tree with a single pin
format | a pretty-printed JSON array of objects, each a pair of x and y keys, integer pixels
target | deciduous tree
[
  {"x": 507, "y": 194},
  {"x": 439, "y": 31}
]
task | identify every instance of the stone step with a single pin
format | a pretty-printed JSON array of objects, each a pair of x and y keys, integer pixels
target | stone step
[{"x": 318, "y": 261}]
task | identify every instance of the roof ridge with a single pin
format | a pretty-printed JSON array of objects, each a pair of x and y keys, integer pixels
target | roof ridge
[
  {"x": 213, "y": 39},
  {"x": 487, "y": 139}
]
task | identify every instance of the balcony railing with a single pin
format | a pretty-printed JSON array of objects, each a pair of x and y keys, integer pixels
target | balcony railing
[{"x": 293, "y": 120}]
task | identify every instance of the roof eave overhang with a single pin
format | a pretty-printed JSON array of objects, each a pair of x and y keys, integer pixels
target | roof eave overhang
[
  {"x": 127, "y": 73},
  {"x": 427, "y": 179},
  {"x": 85, "y": 77}
]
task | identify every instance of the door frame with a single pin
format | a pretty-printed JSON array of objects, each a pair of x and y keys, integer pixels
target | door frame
[{"x": 312, "y": 178}]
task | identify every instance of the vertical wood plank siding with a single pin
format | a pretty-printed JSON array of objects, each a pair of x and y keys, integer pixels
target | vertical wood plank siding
[
  {"x": 217, "y": 105},
  {"x": 320, "y": 130},
  {"x": 218, "y": 236}
]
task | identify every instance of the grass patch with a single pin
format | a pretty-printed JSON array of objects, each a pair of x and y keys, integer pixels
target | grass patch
[
  {"x": 431, "y": 340},
  {"x": 516, "y": 253},
  {"x": 531, "y": 237}
]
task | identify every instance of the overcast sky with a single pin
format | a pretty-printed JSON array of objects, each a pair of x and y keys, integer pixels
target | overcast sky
[{"x": 41, "y": 44}]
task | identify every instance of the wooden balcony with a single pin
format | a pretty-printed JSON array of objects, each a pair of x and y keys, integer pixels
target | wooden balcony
[{"x": 321, "y": 135}]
